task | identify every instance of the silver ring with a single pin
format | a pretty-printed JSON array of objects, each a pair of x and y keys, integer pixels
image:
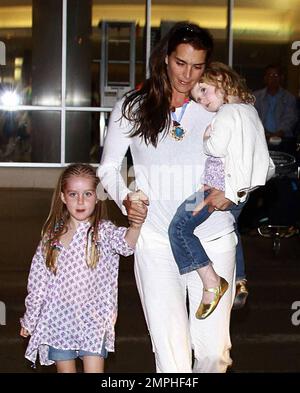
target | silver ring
[{"x": 216, "y": 208}]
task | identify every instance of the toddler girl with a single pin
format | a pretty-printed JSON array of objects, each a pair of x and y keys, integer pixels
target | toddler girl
[{"x": 238, "y": 161}]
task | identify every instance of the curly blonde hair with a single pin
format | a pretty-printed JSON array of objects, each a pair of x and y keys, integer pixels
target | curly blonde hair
[{"x": 230, "y": 82}]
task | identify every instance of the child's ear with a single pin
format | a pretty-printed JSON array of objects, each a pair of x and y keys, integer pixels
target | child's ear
[
  {"x": 62, "y": 197},
  {"x": 167, "y": 60}
]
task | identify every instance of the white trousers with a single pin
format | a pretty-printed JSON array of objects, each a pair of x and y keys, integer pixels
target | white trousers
[{"x": 163, "y": 292}]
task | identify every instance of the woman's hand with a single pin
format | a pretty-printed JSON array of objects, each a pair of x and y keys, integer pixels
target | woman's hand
[
  {"x": 136, "y": 206},
  {"x": 215, "y": 200},
  {"x": 24, "y": 332}
]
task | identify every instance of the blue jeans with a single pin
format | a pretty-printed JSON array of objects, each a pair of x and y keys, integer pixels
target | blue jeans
[
  {"x": 56, "y": 354},
  {"x": 187, "y": 249}
]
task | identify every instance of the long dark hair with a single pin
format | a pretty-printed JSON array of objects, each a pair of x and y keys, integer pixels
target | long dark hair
[{"x": 148, "y": 109}]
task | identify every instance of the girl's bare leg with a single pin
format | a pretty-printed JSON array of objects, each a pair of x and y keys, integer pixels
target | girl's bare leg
[
  {"x": 66, "y": 366},
  {"x": 210, "y": 279},
  {"x": 214, "y": 288},
  {"x": 93, "y": 364}
]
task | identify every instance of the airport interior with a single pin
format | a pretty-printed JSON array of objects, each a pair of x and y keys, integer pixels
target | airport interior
[{"x": 63, "y": 66}]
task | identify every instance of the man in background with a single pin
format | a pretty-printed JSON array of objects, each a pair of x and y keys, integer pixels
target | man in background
[{"x": 276, "y": 106}]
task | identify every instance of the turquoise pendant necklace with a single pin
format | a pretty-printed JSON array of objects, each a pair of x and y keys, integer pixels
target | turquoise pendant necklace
[{"x": 177, "y": 132}]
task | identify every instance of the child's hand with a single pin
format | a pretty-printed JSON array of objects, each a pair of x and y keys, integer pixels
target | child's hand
[{"x": 24, "y": 332}]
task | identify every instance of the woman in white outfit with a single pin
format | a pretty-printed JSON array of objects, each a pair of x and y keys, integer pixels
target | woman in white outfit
[{"x": 164, "y": 131}]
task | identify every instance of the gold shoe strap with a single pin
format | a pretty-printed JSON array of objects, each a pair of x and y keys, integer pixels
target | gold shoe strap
[{"x": 213, "y": 290}]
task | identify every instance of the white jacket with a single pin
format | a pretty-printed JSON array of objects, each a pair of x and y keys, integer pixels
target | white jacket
[{"x": 237, "y": 135}]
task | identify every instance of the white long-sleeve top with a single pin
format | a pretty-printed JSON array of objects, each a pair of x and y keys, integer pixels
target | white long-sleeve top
[
  {"x": 167, "y": 174},
  {"x": 238, "y": 136}
]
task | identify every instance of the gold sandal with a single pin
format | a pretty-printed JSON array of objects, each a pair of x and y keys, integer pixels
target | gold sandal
[{"x": 205, "y": 310}]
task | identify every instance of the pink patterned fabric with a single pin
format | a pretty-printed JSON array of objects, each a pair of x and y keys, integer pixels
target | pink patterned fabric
[{"x": 77, "y": 307}]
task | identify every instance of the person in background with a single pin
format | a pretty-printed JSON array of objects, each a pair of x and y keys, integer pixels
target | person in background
[{"x": 276, "y": 106}]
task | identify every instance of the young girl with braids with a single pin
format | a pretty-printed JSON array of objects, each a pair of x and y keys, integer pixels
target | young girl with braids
[{"x": 71, "y": 306}]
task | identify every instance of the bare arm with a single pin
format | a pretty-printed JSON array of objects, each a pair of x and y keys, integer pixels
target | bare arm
[{"x": 132, "y": 234}]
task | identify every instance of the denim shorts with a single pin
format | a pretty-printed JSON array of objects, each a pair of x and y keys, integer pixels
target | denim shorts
[{"x": 70, "y": 354}]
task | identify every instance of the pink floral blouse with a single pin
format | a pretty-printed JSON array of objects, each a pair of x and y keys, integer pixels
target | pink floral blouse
[{"x": 77, "y": 307}]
